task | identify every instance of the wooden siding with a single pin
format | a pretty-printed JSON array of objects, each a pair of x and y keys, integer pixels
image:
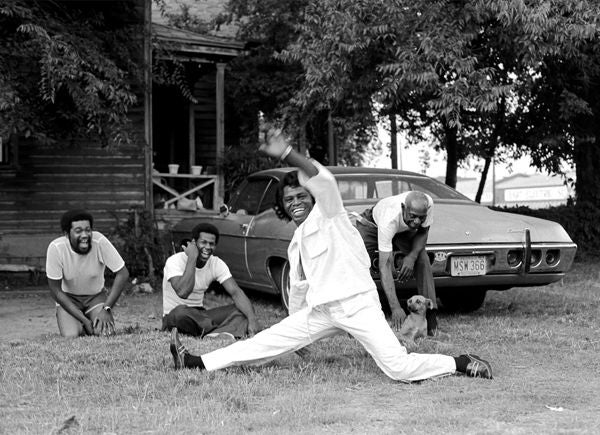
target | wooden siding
[
  {"x": 48, "y": 180},
  {"x": 106, "y": 182}
]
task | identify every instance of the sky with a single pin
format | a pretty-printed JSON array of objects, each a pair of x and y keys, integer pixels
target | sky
[{"x": 409, "y": 160}]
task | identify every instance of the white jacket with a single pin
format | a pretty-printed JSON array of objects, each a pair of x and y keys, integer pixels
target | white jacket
[{"x": 334, "y": 258}]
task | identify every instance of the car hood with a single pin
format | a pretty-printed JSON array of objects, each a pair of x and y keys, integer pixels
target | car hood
[{"x": 472, "y": 223}]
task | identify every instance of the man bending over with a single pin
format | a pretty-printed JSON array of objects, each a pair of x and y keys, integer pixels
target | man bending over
[{"x": 400, "y": 223}]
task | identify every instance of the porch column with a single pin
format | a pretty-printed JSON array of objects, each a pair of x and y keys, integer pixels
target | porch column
[
  {"x": 220, "y": 85},
  {"x": 192, "y": 134}
]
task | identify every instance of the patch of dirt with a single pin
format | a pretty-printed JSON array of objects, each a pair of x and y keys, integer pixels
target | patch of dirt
[
  {"x": 26, "y": 314},
  {"x": 31, "y": 312}
]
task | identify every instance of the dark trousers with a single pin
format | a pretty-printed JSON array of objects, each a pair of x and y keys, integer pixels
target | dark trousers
[
  {"x": 402, "y": 243},
  {"x": 198, "y": 321}
]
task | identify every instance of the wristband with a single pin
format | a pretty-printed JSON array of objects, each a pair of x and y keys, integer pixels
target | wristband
[{"x": 286, "y": 152}]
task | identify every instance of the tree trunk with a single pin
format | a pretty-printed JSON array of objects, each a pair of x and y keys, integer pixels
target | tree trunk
[
  {"x": 484, "y": 174},
  {"x": 331, "y": 148},
  {"x": 491, "y": 150},
  {"x": 394, "y": 141},
  {"x": 451, "y": 154},
  {"x": 587, "y": 158}
]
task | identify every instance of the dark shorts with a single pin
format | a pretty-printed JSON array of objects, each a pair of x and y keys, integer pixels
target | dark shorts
[{"x": 87, "y": 303}]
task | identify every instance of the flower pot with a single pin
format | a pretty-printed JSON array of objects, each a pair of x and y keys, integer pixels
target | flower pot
[
  {"x": 173, "y": 169},
  {"x": 196, "y": 170}
]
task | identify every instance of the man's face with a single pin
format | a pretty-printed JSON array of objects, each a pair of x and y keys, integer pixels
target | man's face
[
  {"x": 206, "y": 244},
  {"x": 414, "y": 214},
  {"x": 80, "y": 236},
  {"x": 297, "y": 203}
]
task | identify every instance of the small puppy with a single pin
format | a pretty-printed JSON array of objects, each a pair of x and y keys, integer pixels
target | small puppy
[{"x": 415, "y": 325}]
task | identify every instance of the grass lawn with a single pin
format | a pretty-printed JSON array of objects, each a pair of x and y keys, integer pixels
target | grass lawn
[{"x": 544, "y": 345}]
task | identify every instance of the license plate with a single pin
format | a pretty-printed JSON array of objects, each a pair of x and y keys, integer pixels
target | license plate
[{"x": 468, "y": 265}]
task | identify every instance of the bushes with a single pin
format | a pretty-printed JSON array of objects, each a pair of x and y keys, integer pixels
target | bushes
[
  {"x": 139, "y": 242},
  {"x": 241, "y": 161},
  {"x": 581, "y": 221}
]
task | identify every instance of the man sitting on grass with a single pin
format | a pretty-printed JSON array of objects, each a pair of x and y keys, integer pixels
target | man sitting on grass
[
  {"x": 75, "y": 264},
  {"x": 331, "y": 287},
  {"x": 187, "y": 276}
]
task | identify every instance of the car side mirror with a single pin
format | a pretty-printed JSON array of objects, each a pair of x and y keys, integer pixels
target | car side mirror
[{"x": 224, "y": 210}]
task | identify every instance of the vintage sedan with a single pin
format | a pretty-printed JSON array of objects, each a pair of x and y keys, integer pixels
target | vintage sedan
[{"x": 472, "y": 249}]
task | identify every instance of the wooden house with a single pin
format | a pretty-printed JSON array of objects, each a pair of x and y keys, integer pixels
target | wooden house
[{"x": 39, "y": 183}]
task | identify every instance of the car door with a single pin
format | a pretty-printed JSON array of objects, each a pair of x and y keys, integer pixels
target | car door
[
  {"x": 243, "y": 207},
  {"x": 268, "y": 237}
]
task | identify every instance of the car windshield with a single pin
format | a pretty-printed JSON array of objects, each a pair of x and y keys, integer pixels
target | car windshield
[{"x": 377, "y": 186}]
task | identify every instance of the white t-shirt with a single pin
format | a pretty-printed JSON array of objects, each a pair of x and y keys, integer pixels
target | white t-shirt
[
  {"x": 387, "y": 214},
  {"x": 215, "y": 269},
  {"x": 82, "y": 274}
]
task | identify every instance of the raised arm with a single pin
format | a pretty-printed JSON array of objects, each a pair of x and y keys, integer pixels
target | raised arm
[
  {"x": 314, "y": 177},
  {"x": 277, "y": 146},
  {"x": 184, "y": 284}
]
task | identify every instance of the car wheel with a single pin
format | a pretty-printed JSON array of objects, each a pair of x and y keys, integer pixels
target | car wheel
[
  {"x": 461, "y": 300},
  {"x": 281, "y": 276}
]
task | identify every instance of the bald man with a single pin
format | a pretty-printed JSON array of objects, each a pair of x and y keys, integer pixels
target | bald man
[{"x": 401, "y": 223}]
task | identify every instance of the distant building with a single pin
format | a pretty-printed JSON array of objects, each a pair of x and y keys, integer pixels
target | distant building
[
  {"x": 530, "y": 190},
  {"x": 535, "y": 191}
]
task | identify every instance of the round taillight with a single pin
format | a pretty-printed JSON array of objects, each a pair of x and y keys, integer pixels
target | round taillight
[
  {"x": 552, "y": 257},
  {"x": 513, "y": 258},
  {"x": 536, "y": 257}
]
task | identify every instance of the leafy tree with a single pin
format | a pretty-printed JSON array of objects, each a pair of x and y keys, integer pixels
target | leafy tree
[
  {"x": 265, "y": 81},
  {"x": 558, "y": 117},
  {"x": 69, "y": 69},
  {"x": 408, "y": 58},
  {"x": 445, "y": 65},
  {"x": 485, "y": 78}
]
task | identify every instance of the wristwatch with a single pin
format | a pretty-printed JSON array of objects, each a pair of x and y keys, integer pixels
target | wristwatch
[{"x": 107, "y": 309}]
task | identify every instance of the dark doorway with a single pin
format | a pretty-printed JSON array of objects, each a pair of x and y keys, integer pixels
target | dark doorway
[{"x": 170, "y": 129}]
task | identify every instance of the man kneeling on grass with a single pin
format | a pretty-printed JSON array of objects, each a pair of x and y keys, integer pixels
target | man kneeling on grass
[
  {"x": 186, "y": 278},
  {"x": 75, "y": 264},
  {"x": 331, "y": 286}
]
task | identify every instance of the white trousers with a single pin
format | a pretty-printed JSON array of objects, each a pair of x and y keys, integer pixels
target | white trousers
[{"x": 359, "y": 315}]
